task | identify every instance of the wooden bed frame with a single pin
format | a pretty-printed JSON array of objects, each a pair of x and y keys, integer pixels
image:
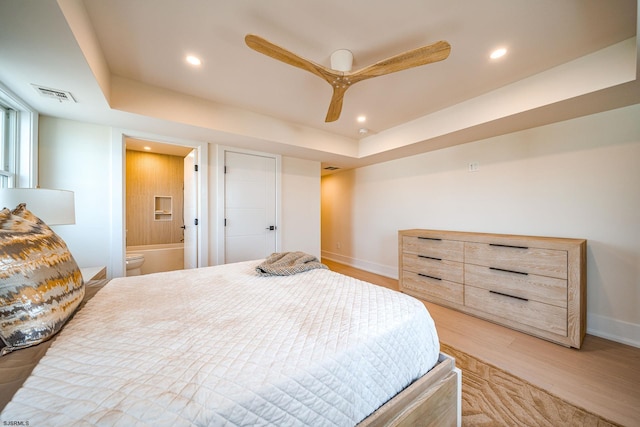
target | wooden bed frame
[{"x": 432, "y": 400}]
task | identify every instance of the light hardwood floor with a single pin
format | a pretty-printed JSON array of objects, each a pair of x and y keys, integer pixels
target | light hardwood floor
[{"x": 602, "y": 377}]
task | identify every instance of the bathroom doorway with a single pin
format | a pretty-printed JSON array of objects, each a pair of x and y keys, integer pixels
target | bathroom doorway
[{"x": 161, "y": 200}]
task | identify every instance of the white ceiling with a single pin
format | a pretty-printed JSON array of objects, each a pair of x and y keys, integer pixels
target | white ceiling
[{"x": 123, "y": 61}]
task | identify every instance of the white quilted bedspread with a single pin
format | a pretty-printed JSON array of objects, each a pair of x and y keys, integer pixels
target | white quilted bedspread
[{"x": 223, "y": 346}]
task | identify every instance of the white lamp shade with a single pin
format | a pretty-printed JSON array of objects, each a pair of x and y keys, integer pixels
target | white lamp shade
[{"x": 54, "y": 207}]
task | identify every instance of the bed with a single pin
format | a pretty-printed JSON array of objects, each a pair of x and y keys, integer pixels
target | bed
[{"x": 226, "y": 345}]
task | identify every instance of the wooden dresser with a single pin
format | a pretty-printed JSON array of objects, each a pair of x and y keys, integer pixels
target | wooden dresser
[{"x": 533, "y": 284}]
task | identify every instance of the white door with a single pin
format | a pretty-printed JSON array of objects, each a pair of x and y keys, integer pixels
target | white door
[
  {"x": 190, "y": 211},
  {"x": 250, "y": 206}
]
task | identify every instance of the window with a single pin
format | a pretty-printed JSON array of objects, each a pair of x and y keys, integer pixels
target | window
[
  {"x": 7, "y": 151},
  {"x": 18, "y": 142}
]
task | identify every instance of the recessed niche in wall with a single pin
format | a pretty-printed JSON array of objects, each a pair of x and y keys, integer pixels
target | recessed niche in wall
[{"x": 163, "y": 208}]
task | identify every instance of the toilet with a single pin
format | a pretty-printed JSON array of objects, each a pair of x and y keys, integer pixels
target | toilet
[{"x": 134, "y": 262}]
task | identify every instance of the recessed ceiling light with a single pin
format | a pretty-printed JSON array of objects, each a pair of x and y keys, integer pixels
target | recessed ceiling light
[
  {"x": 498, "y": 53},
  {"x": 193, "y": 60},
  {"x": 362, "y": 119},
  {"x": 147, "y": 148}
]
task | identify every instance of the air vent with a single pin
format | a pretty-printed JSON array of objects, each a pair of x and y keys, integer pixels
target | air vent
[
  {"x": 331, "y": 168},
  {"x": 60, "y": 95}
]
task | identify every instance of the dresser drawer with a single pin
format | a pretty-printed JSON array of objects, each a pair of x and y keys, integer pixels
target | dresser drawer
[
  {"x": 431, "y": 289},
  {"x": 451, "y": 250},
  {"x": 547, "y": 290},
  {"x": 520, "y": 259},
  {"x": 514, "y": 311},
  {"x": 434, "y": 267}
]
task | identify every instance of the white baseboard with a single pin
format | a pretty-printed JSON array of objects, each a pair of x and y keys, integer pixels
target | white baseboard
[
  {"x": 372, "y": 267},
  {"x": 613, "y": 329}
]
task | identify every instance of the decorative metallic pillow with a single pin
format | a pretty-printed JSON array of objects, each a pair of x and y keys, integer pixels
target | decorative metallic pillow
[{"x": 40, "y": 282}]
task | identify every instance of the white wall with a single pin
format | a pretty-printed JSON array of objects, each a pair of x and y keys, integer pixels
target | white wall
[
  {"x": 579, "y": 178},
  {"x": 301, "y": 206},
  {"x": 76, "y": 156}
]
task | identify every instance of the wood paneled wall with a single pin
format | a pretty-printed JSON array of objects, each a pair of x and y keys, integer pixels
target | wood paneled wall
[{"x": 150, "y": 175}]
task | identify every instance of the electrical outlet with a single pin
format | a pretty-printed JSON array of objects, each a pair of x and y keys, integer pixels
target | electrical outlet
[
  {"x": 338, "y": 245},
  {"x": 474, "y": 166}
]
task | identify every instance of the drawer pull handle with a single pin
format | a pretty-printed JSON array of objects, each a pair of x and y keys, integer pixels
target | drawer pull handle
[
  {"x": 429, "y": 257},
  {"x": 509, "y": 271},
  {"x": 510, "y": 296},
  {"x": 508, "y": 246},
  {"x": 429, "y": 277},
  {"x": 428, "y": 238}
]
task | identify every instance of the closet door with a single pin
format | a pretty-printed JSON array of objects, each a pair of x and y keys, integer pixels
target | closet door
[{"x": 249, "y": 206}]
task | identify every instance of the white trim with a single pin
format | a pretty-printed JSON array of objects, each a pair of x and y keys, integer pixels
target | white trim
[
  {"x": 118, "y": 179},
  {"x": 613, "y": 329},
  {"x": 220, "y": 234},
  {"x": 117, "y": 250}
]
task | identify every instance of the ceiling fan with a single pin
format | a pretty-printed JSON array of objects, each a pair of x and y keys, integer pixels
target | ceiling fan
[{"x": 340, "y": 76}]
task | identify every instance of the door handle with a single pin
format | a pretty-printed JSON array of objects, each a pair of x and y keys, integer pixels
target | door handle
[{"x": 271, "y": 228}]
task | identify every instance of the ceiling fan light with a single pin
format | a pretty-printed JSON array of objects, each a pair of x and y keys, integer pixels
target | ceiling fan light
[{"x": 342, "y": 60}]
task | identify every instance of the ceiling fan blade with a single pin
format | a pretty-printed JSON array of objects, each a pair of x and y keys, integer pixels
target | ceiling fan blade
[
  {"x": 265, "y": 47},
  {"x": 335, "y": 107},
  {"x": 413, "y": 58},
  {"x": 334, "y": 78}
]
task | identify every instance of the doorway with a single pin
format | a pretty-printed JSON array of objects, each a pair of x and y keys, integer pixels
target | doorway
[
  {"x": 118, "y": 202},
  {"x": 161, "y": 205}
]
